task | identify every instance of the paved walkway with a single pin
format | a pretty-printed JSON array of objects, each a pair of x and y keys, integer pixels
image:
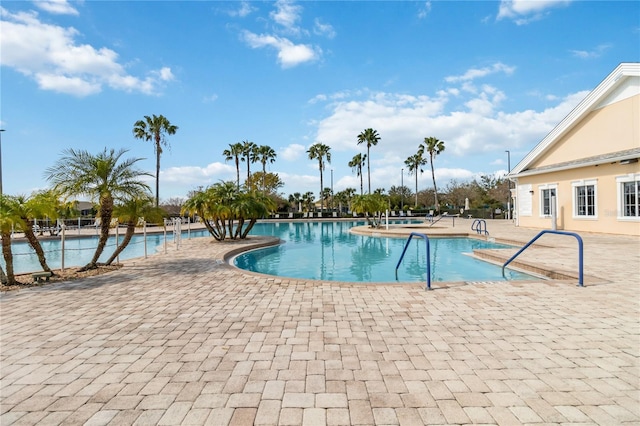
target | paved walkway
[{"x": 183, "y": 338}]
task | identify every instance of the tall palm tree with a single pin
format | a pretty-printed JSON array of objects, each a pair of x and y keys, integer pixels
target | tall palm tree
[
  {"x": 265, "y": 154},
  {"x": 155, "y": 128},
  {"x": 414, "y": 163},
  {"x": 371, "y": 138},
  {"x": 321, "y": 152},
  {"x": 248, "y": 155},
  {"x": 434, "y": 147},
  {"x": 130, "y": 212},
  {"x": 103, "y": 177},
  {"x": 356, "y": 164},
  {"x": 235, "y": 151}
]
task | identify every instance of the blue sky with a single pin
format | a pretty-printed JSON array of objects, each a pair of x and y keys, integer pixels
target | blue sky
[{"x": 482, "y": 76}]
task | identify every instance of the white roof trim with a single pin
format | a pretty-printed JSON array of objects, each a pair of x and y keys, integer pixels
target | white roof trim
[
  {"x": 586, "y": 163},
  {"x": 588, "y": 104}
]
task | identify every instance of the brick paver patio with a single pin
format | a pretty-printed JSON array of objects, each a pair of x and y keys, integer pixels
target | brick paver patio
[{"x": 184, "y": 338}]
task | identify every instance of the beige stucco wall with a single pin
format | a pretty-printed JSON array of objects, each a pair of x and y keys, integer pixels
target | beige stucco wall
[
  {"x": 613, "y": 128},
  {"x": 607, "y": 189}
]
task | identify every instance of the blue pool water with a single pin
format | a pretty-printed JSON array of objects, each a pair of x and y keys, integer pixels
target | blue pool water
[
  {"x": 328, "y": 251},
  {"x": 312, "y": 250}
]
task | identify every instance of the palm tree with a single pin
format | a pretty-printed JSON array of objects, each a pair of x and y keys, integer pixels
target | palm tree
[
  {"x": 235, "y": 151},
  {"x": 130, "y": 212},
  {"x": 319, "y": 151},
  {"x": 155, "y": 128},
  {"x": 307, "y": 200},
  {"x": 30, "y": 208},
  {"x": 265, "y": 154},
  {"x": 248, "y": 155},
  {"x": 296, "y": 198},
  {"x": 434, "y": 147},
  {"x": 414, "y": 163},
  {"x": 371, "y": 138},
  {"x": 356, "y": 164},
  {"x": 8, "y": 220},
  {"x": 103, "y": 177}
]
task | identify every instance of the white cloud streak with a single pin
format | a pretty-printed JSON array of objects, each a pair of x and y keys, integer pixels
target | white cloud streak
[
  {"x": 57, "y": 7},
  {"x": 524, "y": 11}
]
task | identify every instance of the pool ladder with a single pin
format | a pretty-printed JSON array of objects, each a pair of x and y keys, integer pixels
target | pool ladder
[
  {"x": 426, "y": 240},
  {"x": 480, "y": 226},
  {"x": 549, "y": 231}
]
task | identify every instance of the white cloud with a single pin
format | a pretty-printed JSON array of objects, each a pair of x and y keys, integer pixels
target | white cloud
[
  {"x": 194, "y": 175},
  {"x": 404, "y": 121},
  {"x": 292, "y": 152},
  {"x": 321, "y": 28},
  {"x": 591, "y": 54},
  {"x": 58, "y": 7},
  {"x": 424, "y": 10},
  {"x": 524, "y": 11},
  {"x": 289, "y": 54},
  {"x": 287, "y": 14},
  {"x": 50, "y": 55},
  {"x": 475, "y": 73},
  {"x": 244, "y": 10}
]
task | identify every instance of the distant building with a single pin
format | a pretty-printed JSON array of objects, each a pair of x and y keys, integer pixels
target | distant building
[
  {"x": 85, "y": 207},
  {"x": 588, "y": 164}
]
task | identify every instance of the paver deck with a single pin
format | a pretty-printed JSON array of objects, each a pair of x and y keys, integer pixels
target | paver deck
[{"x": 184, "y": 338}]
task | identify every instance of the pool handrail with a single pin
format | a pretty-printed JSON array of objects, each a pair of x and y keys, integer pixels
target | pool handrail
[
  {"x": 551, "y": 231},
  {"x": 477, "y": 226},
  {"x": 426, "y": 239}
]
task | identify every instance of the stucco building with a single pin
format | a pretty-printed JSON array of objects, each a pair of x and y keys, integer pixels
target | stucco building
[{"x": 587, "y": 168}]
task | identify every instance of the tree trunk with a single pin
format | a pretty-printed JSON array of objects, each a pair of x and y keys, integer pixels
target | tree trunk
[
  {"x": 106, "y": 212},
  {"x": 238, "y": 173},
  {"x": 416, "y": 189},
  {"x": 158, "y": 151},
  {"x": 131, "y": 229},
  {"x": 321, "y": 184},
  {"x": 8, "y": 258},
  {"x": 3, "y": 276},
  {"x": 35, "y": 244},
  {"x": 368, "y": 169},
  {"x": 435, "y": 190}
]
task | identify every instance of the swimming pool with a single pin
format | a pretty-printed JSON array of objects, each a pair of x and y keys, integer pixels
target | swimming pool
[
  {"x": 312, "y": 250},
  {"x": 328, "y": 251}
]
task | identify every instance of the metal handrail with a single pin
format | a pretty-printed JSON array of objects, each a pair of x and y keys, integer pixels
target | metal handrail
[
  {"x": 477, "y": 226},
  {"x": 426, "y": 239},
  {"x": 550, "y": 231}
]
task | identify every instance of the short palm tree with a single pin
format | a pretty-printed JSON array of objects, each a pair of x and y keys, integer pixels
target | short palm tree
[
  {"x": 321, "y": 152},
  {"x": 414, "y": 163},
  {"x": 371, "y": 138},
  {"x": 104, "y": 177},
  {"x": 434, "y": 147},
  {"x": 226, "y": 211},
  {"x": 9, "y": 218},
  {"x": 30, "y": 208},
  {"x": 155, "y": 128},
  {"x": 130, "y": 212},
  {"x": 356, "y": 164},
  {"x": 296, "y": 199},
  {"x": 265, "y": 155},
  {"x": 234, "y": 152}
]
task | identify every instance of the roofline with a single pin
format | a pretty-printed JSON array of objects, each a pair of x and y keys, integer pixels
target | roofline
[
  {"x": 595, "y": 162},
  {"x": 625, "y": 69}
]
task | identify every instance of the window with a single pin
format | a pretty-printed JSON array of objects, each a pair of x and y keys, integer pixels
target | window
[
  {"x": 584, "y": 199},
  {"x": 629, "y": 196},
  {"x": 546, "y": 192}
]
